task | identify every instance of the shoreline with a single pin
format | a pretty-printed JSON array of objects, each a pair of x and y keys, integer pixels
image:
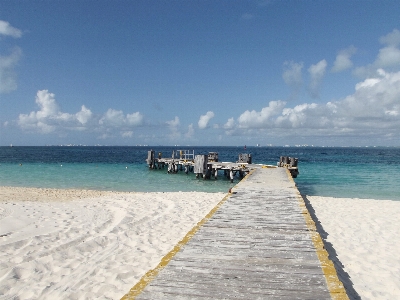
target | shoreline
[
  {"x": 71, "y": 243},
  {"x": 10, "y": 193}
]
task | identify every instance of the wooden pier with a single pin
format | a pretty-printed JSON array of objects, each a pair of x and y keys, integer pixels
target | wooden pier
[
  {"x": 208, "y": 166},
  {"x": 258, "y": 243}
]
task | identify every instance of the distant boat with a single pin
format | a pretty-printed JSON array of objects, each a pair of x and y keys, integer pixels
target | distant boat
[
  {"x": 244, "y": 147},
  {"x": 11, "y": 145}
]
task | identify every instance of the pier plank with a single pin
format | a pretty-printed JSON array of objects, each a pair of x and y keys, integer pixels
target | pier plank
[{"x": 256, "y": 246}]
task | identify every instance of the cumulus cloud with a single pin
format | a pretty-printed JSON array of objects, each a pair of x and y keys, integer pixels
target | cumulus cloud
[
  {"x": 317, "y": 72},
  {"x": 190, "y": 132},
  {"x": 7, "y": 30},
  {"x": 374, "y": 99},
  {"x": 113, "y": 118},
  {"x": 205, "y": 119},
  {"x": 174, "y": 128},
  {"x": 127, "y": 134},
  {"x": 84, "y": 115},
  {"x": 134, "y": 119},
  {"x": 229, "y": 124},
  {"x": 292, "y": 76},
  {"x": 264, "y": 118},
  {"x": 343, "y": 59},
  {"x": 388, "y": 57},
  {"x": 391, "y": 39},
  {"x": 8, "y": 76},
  {"x": 173, "y": 123},
  {"x": 373, "y": 109},
  {"x": 49, "y": 118},
  {"x": 117, "y": 119}
]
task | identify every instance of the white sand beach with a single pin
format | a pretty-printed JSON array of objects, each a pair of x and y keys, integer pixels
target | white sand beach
[
  {"x": 72, "y": 244},
  {"x": 365, "y": 236}
]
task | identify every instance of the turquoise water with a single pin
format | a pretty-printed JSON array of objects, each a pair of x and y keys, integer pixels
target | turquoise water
[
  {"x": 350, "y": 180},
  {"x": 336, "y": 172},
  {"x": 112, "y": 177}
]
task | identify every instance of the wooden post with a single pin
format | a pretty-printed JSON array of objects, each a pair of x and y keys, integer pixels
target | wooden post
[
  {"x": 200, "y": 164},
  {"x": 286, "y": 160},
  {"x": 293, "y": 161},
  {"x": 150, "y": 159},
  {"x": 244, "y": 158}
]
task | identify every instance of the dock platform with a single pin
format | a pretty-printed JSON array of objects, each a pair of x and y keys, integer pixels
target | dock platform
[{"x": 257, "y": 244}]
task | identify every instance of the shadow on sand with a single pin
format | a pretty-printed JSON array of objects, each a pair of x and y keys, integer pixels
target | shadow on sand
[{"x": 342, "y": 274}]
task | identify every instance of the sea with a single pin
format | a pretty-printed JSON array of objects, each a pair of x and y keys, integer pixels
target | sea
[{"x": 342, "y": 172}]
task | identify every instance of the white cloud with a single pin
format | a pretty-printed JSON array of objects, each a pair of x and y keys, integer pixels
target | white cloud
[
  {"x": 84, "y": 115},
  {"x": 391, "y": 39},
  {"x": 205, "y": 119},
  {"x": 134, "y": 119},
  {"x": 174, "y": 126},
  {"x": 47, "y": 103},
  {"x": 304, "y": 116},
  {"x": 7, "y": 30},
  {"x": 387, "y": 58},
  {"x": 292, "y": 76},
  {"x": 8, "y": 77},
  {"x": 173, "y": 123},
  {"x": 49, "y": 118},
  {"x": 317, "y": 72},
  {"x": 229, "y": 124},
  {"x": 374, "y": 98},
  {"x": 127, "y": 134},
  {"x": 104, "y": 136},
  {"x": 113, "y": 118},
  {"x": 264, "y": 118},
  {"x": 343, "y": 59},
  {"x": 117, "y": 119},
  {"x": 372, "y": 110},
  {"x": 190, "y": 132}
]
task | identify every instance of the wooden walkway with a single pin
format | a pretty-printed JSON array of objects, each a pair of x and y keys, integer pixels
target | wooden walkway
[{"x": 257, "y": 245}]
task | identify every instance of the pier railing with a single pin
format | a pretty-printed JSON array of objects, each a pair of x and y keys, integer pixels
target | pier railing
[{"x": 183, "y": 154}]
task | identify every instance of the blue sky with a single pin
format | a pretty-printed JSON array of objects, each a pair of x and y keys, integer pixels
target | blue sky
[{"x": 323, "y": 73}]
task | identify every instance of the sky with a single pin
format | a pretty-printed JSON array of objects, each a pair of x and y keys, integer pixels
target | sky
[{"x": 200, "y": 72}]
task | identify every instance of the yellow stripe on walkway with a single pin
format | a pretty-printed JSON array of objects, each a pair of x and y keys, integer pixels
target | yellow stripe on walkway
[
  {"x": 335, "y": 286},
  {"x": 150, "y": 275}
]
